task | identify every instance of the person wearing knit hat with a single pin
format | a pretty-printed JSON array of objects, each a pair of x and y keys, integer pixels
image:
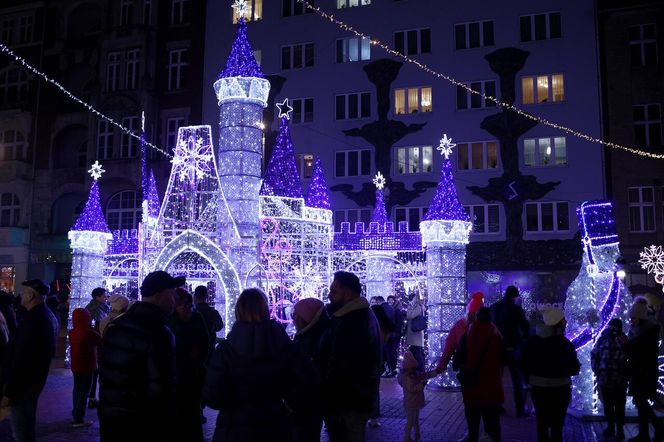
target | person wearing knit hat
[
  {"x": 412, "y": 382},
  {"x": 306, "y": 312}
]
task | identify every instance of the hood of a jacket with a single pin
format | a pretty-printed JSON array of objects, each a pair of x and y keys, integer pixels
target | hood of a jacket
[
  {"x": 356, "y": 304},
  {"x": 81, "y": 318},
  {"x": 255, "y": 341}
]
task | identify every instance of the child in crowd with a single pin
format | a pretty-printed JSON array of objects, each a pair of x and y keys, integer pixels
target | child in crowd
[
  {"x": 412, "y": 381},
  {"x": 83, "y": 341}
]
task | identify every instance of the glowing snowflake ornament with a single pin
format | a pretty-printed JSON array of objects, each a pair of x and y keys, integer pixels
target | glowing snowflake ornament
[
  {"x": 379, "y": 181},
  {"x": 652, "y": 261},
  {"x": 285, "y": 109},
  {"x": 96, "y": 170},
  {"x": 192, "y": 158},
  {"x": 240, "y": 7},
  {"x": 445, "y": 147}
]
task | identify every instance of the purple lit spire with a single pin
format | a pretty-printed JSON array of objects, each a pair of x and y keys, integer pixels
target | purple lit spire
[
  {"x": 241, "y": 61},
  {"x": 317, "y": 194},
  {"x": 92, "y": 219},
  {"x": 446, "y": 204},
  {"x": 379, "y": 214},
  {"x": 281, "y": 177},
  {"x": 152, "y": 197}
]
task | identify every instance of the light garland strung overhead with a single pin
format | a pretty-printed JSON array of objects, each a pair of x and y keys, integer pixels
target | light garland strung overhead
[{"x": 457, "y": 83}]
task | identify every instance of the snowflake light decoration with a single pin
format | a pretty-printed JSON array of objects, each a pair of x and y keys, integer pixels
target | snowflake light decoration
[
  {"x": 285, "y": 109},
  {"x": 240, "y": 7},
  {"x": 96, "y": 170},
  {"x": 193, "y": 159},
  {"x": 652, "y": 261},
  {"x": 379, "y": 181},
  {"x": 445, "y": 146}
]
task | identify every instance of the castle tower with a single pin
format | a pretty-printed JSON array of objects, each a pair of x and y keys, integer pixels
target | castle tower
[
  {"x": 379, "y": 263},
  {"x": 445, "y": 229},
  {"x": 88, "y": 240},
  {"x": 242, "y": 93}
]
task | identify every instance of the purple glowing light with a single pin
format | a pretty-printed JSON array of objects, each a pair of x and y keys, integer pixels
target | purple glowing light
[
  {"x": 281, "y": 176},
  {"x": 317, "y": 194},
  {"x": 92, "y": 218},
  {"x": 152, "y": 196},
  {"x": 124, "y": 242},
  {"x": 377, "y": 237},
  {"x": 445, "y": 204},
  {"x": 241, "y": 61},
  {"x": 379, "y": 214}
]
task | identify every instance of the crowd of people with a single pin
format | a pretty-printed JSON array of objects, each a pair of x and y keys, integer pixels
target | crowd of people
[{"x": 158, "y": 363}]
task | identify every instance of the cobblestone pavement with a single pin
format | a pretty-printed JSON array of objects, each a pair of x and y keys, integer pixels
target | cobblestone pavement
[{"x": 441, "y": 419}]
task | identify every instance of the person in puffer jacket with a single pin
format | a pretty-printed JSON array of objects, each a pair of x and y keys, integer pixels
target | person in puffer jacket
[
  {"x": 83, "y": 344},
  {"x": 548, "y": 362},
  {"x": 609, "y": 363}
]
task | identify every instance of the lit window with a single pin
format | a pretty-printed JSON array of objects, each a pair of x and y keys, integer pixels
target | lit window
[
  {"x": 297, "y": 56},
  {"x": 547, "y": 217},
  {"x": 123, "y": 210},
  {"x": 12, "y": 146},
  {"x": 413, "y": 42},
  {"x": 177, "y": 69},
  {"x": 412, "y": 100},
  {"x": 647, "y": 125},
  {"x": 352, "y": 3},
  {"x": 542, "y": 89},
  {"x": 469, "y": 100},
  {"x": 10, "y": 210},
  {"x": 254, "y": 11},
  {"x": 477, "y": 155},
  {"x": 474, "y": 35},
  {"x": 352, "y": 106},
  {"x": 303, "y": 110},
  {"x": 412, "y": 160},
  {"x": 549, "y": 151},
  {"x": 353, "y": 49},
  {"x": 352, "y": 163},
  {"x": 540, "y": 26},
  {"x": 104, "y": 140},
  {"x": 485, "y": 218},
  {"x": 305, "y": 163},
  {"x": 643, "y": 44},
  {"x": 641, "y": 209}
]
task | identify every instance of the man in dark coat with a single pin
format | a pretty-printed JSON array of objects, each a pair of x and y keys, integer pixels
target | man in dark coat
[
  {"x": 514, "y": 327},
  {"x": 350, "y": 352},
  {"x": 392, "y": 347},
  {"x": 212, "y": 318},
  {"x": 137, "y": 399},
  {"x": 7, "y": 310},
  {"x": 29, "y": 353}
]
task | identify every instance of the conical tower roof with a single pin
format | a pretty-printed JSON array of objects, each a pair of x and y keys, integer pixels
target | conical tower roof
[
  {"x": 379, "y": 214},
  {"x": 318, "y": 196},
  {"x": 445, "y": 204},
  {"x": 241, "y": 61},
  {"x": 92, "y": 218},
  {"x": 281, "y": 176},
  {"x": 153, "y": 196}
]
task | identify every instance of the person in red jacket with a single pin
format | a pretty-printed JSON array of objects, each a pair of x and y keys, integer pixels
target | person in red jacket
[{"x": 83, "y": 343}]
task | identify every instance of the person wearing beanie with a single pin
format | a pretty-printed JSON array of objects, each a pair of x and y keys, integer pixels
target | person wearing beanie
[
  {"x": 119, "y": 305},
  {"x": 412, "y": 382},
  {"x": 458, "y": 330},
  {"x": 608, "y": 361},
  {"x": 548, "y": 361},
  {"x": 642, "y": 348}
]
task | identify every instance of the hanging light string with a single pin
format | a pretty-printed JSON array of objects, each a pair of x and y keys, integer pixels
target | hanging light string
[
  {"x": 450, "y": 79},
  {"x": 24, "y": 62}
]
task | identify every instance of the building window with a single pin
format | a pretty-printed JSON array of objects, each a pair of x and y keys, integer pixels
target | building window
[
  {"x": 485, "y": 218},
  {"x": 297, "y": 56},
  {"x": 549, "y": 151},
  {"x": 129, "y": 144},
  {"x": 303, "y": 110},
  {"x": 123, "y": 210},
  {"x": 25, "y": 29},
  {"x": 468, "y": 100},
  {"x": 13, "y": 85},
  {"x": 147, "y": 12},
  {"x": 542, "y": 88},
  {"x": 112, "y": 71},
  {"x": 353, "y": 49},
  {"x": 10, "y": 210},
  {"x": 351, "y": 3},
  {"x": 477, "y": 156},
  {"x": 413, "y": 42},
  {"x": 474, "y": 35},
  {"x": 540, "y": 26},
  {"x": 412, "y": 100},
  {"x": 352, "y": 106},
  {"x": 417, "y": 159},
  {"x": 352, "y": 163},
  {"x": 12, "y": 146},
  {"x": 104, "y": 140},
  {"x": 295, "y": 7},
  {"x": 351, "y": 216},
  {"x": 172, "y": 126},
  {"x": 305, "y": 164},
  {"x": 177, "y": 69},
  {"x": 126, "y": 7},
  {"x": 180, "y": 11},
  {"x": 411, "y": 214},
  {"x": 647, "y": 125},
  {"x": 133, "y": 68},
  {"x": 641, "y": 209},
  {"x": 547, "y": 217},
  {"x": 643, "y": 44},
  {"x": 253, "y": 12},
  {"x": 7, "y": 31}
]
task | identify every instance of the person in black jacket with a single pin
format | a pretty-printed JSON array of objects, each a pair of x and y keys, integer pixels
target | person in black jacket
[
  {"x": 137, "y": 395},
  {"x": 350, "y": 351},
  {"x": 29, "y": 352},
  {"x": 511, "y": 321},
  {"x": 7, "y": 310},
  {"x": 257, "y": 376},
  {"x": 548, "y": 361},
  {"x": 212, "y": 318},
  {"x": 392, "y": 347},
  {"x": 642, "y": 348}
]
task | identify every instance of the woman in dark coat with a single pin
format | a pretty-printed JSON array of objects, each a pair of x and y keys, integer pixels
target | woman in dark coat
[{"x": 256, "y": 376}]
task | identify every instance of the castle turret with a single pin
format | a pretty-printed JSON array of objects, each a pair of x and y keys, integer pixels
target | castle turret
[
  {"x": 445, "y": 229},
  {"x": 379, "y": 262},
  {"x": 242, "y": 93}
]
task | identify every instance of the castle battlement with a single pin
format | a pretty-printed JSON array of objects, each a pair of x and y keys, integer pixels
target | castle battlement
[
  {"x": 377, "y": 237},
  {"x": 123, "y": 242}
]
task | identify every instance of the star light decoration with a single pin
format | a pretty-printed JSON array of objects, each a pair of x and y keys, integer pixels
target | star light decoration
[
  {"x": 240, "y": 7},
  {"x": 652, "y": 261},
  {"x": 445, "y": 147},
  {"x": 96, "y": 170},
  {"x": 193, "y": 159},
  {"x": 379, "y": 181},
  {"x": 285, "y": 109}
]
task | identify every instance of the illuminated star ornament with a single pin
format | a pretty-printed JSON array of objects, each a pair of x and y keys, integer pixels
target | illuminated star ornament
[
  {"x": 96, "y": 170},
  {"x": 652, "y": 261},
  {"x": 193, "y": 158},
  {"x": 285, "y": 109},
  {"x": 445, "y": 146},
  {"x": 240, "y": 7},
  {"x": 379, "y": 181}
]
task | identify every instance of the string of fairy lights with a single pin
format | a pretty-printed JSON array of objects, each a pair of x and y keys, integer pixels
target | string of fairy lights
[{"x": 448, "y": 78}]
